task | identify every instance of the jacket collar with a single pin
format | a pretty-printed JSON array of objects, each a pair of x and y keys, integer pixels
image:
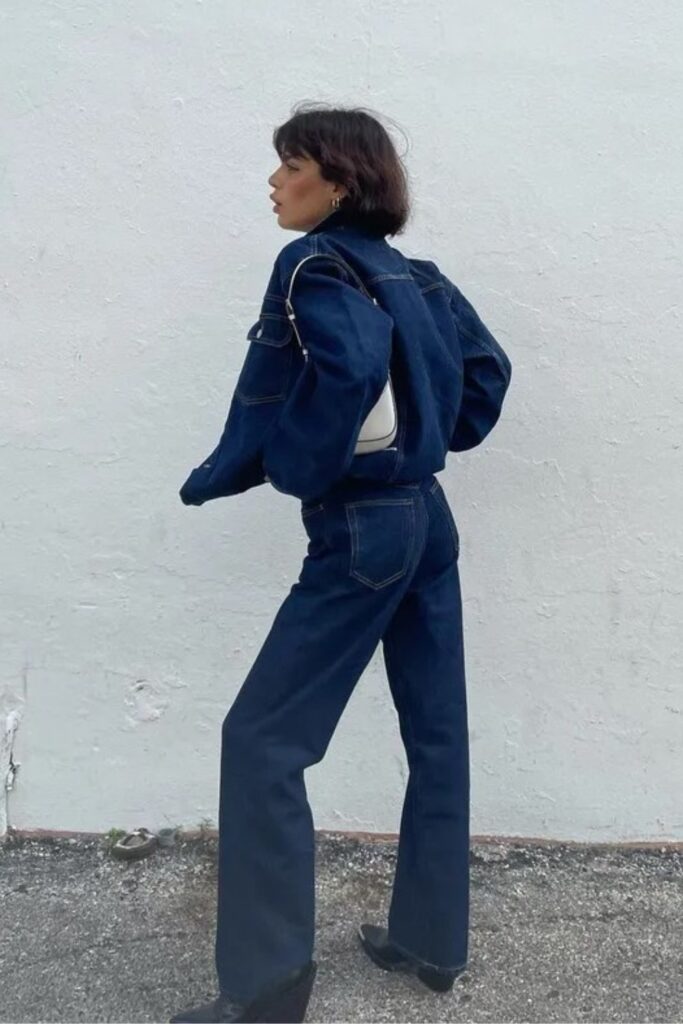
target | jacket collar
[{"x": 342, "y": 220}]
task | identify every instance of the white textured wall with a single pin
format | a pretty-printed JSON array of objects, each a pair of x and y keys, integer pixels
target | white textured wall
[{"x": 545, "y": 153}]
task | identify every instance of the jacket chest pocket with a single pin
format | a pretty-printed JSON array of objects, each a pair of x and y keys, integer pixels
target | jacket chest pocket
[{"x": 265, "y": 372}]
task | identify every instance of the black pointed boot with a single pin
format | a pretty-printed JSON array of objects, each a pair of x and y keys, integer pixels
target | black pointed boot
[
  {"x": 375, "y": 942},
  {"x": 283, "y": 1003}
]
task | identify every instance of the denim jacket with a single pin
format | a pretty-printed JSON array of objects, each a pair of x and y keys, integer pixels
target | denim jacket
[{"x": 295, "y": 422}]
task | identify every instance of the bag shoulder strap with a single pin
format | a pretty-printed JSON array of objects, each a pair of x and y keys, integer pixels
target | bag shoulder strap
[
  {"x": 318, "y": 256},
  {"x": 334, "y": 259}
]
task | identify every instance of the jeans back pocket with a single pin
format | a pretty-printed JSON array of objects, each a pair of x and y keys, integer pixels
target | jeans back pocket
[{"x": 382, "y": 538}]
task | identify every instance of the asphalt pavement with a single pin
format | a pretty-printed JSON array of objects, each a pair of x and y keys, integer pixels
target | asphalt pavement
[{"x": 558, "y": 933}]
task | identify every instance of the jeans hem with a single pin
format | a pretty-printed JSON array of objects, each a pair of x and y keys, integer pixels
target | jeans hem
[{"x": 425, "y": 963}]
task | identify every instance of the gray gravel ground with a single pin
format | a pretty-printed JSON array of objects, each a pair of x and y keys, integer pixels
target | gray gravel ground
[{"x": 559, "y": 933}]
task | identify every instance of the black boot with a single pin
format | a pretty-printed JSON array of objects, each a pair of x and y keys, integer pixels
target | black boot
[
  {"x": 282, "y": 1003},
  {"x": 375, "y": 942}
]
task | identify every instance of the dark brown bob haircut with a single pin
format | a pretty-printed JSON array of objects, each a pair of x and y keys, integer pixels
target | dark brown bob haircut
[{"x": 353, "y": 149}]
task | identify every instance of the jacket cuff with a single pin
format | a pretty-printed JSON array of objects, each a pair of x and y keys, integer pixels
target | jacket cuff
[{"x": 189, "y": 491}]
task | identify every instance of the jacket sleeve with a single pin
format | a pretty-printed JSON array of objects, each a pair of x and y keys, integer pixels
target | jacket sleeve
[
  {"x": 312, "y": 442},
  {"x": 487, "y": 373},
  {"x": 234, "y": 465}
]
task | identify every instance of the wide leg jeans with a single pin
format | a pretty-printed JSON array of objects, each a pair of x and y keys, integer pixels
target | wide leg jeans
[{"x": 381, "y": 565}]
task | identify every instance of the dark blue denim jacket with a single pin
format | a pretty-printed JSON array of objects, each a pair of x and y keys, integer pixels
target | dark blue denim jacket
[{"x": 295, "y": 423}]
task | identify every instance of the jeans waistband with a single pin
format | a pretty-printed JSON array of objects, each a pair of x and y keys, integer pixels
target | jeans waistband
[{"x": 353, "y": 487}]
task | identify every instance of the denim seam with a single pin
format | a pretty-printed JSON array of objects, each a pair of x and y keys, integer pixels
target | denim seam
[
  {"x": 390, "y": 277},
  {"x": 407, "y": 705},
  {"x": 273, "y": 316},
  {"x": 435, "y": 490},
  {"x": 271, "y": 343},
  {"x": 409, "y": 724},
  {"x": 256, "y": 401},
  {"x": 310, "y": 511},
  {"x": 454, "y": 293},
  {"x": 485, "y": 348},
  {"x": 380, "y": 501}
]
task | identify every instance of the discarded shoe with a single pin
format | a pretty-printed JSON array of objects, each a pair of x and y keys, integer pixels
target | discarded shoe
[
  {"x": 375, "y": 942},
  {"x": 283, "y": 1003},
  {"x": 135, "y": 845}
]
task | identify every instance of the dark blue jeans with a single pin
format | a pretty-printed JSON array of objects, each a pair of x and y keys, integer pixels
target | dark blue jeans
[{"x": 382, "y": 564}]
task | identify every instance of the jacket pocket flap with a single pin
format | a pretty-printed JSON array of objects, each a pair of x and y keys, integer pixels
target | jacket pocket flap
[{"x": 271, "y": 329}]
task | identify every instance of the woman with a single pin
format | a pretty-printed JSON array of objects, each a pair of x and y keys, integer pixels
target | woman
[{"x": 381, "y": 564}]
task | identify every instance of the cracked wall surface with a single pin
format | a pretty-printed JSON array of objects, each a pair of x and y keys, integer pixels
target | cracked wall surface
[{"x": 545, "y": 162}]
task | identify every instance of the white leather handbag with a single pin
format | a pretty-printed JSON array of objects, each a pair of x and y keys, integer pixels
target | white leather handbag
[{"x": 380, "y": 425}]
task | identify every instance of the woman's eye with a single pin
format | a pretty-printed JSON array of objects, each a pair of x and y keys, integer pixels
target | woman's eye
[{"x": 291, "y": 167}]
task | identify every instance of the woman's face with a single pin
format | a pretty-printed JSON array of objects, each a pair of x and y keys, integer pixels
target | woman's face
[{"x": 304, "y": 196}]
